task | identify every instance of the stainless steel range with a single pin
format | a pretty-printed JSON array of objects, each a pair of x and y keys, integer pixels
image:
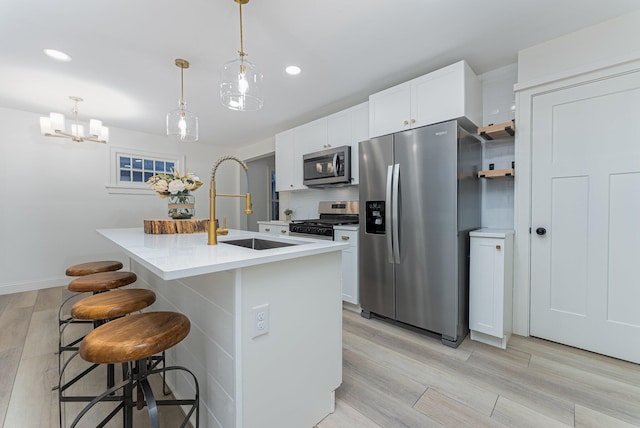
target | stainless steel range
[{"x": 332, "y": 213}]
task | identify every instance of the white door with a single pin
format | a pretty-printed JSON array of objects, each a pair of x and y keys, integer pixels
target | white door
[{"x": 585, "y": 276}]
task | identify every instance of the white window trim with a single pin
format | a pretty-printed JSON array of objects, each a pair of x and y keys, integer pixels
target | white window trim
[{"x": 130, "y": 188}]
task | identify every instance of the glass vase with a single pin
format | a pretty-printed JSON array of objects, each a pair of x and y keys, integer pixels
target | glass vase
[{"x": 181, "y": 206}]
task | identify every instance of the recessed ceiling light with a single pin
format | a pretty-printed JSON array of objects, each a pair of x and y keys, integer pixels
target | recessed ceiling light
[
  {"x": 293, "y": 70},
  {"x": 60, "y": 56}
]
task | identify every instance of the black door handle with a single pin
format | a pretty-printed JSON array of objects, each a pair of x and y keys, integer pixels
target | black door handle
[{"x": 541, "y": 231}]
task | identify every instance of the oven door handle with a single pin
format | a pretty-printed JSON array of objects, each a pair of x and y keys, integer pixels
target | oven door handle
[{"x": 336, "y": 173}]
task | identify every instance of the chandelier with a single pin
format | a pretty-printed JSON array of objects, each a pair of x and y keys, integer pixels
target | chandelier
[
  {"x": 241, "y": 80},
  {"x": 181, "y": 122},
  {"x": 54, "y": 126}
]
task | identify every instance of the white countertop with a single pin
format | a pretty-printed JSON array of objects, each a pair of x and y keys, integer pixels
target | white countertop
[
  {"x": 488, "y": 232},
  {"x": 354, "y": 227},
  {"x": 182, "y": 255},
  {"x": 275, "y": 222}
]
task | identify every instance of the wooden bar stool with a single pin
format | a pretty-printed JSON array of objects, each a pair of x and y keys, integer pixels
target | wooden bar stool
[
  {"x": 132, "y": 340},
  {"x": 100, "y": 308},
  {"x": 102, "y": 281},
  {"x": 95, "y": 283},
  {"x": 88, "y": 268}
]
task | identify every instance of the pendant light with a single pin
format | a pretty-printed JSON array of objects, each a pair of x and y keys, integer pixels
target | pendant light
[
  {"x": 54, "y": 126},
  {"x": 181, "y": 122},
  {"x": 241, "y": 87}
]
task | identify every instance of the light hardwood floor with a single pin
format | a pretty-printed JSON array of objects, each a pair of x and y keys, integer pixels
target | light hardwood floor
[{"x": 392, "y": 377}]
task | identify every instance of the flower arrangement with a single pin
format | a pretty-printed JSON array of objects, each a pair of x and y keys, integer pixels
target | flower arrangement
[
  {"x": 174, "y": 184},
  {"x": 176, "y": 188}
]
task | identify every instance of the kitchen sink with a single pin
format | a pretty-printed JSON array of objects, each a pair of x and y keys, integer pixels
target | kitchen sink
[{"x": 258, "y": 244}]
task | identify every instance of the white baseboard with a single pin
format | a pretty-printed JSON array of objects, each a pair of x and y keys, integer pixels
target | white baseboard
[{"x": 19, "y": 287}]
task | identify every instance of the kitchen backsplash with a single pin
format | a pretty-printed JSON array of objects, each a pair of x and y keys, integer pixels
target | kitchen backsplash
[{"x": 304, "y": 203}]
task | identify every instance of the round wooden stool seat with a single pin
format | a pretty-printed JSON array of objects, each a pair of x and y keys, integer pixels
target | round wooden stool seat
[
  {"x": 134, "y": 337},
  {"x": 113, "y": 304},
  {"x": 88, "y": 268},
  {"x": 102, "y": 281}
]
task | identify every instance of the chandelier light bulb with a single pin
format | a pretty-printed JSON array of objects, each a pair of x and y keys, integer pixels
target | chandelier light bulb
[
  {"x": 243, "y": 85},
  {"x": 54, "y": 126}
]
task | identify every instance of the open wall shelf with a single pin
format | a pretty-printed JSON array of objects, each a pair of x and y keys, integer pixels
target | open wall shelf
[
  {"x": 497, "y": 131},
  {"x": 496, "y": 173}
]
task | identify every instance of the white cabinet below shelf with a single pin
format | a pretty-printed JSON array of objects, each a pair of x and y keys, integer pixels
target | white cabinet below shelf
[
  {"x": 451, "y": 92},
  {"x": 349, "y": 263},
  {"x": 491, "y": 286},
  {"x": 276, "y": 229}
]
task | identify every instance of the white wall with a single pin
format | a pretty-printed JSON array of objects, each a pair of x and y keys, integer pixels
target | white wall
[
  {"x": 54, "y": 198},
  {"x": 498, "y": 105},
  {"x": 590, "y": 47}
]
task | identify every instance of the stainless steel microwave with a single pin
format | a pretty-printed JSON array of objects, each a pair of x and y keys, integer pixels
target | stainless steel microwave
[{"x": 327, "y": 168}]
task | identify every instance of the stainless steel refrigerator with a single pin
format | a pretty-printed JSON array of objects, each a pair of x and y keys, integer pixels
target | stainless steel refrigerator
[{"x": 419, "y": 198}]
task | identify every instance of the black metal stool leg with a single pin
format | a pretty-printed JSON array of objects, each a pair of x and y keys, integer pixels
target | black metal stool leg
[{"x": 152, "y": 407}]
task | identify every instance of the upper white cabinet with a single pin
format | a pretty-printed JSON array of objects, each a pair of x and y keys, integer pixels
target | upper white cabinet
[
  {"x": 286, "y": 176},
  {"x": 311, "y": 137},
  {"x": 345, "y": 128},
  {"x": 449, "y": 93}
]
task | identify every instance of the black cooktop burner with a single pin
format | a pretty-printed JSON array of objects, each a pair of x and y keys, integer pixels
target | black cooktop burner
[{"x": 329, "y": 221}]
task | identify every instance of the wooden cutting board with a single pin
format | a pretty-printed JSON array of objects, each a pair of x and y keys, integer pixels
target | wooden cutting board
[{"x": 168, "y": 226}]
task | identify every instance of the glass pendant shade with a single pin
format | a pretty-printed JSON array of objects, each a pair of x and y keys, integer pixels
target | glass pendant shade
[
  {"x": 183, "y": 124},
  {"x": 241, "y": 87}
]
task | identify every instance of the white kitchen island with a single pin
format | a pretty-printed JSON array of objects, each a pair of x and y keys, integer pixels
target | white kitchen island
[{"x": 284, "y": 378}]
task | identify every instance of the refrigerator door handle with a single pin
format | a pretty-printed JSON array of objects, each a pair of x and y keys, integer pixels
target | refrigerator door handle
[
  {"x": 387, "y": 214},
  {"x": 394, "y": 214}
]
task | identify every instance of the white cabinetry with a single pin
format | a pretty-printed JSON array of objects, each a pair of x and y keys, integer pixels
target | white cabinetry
[
  {"x": 288, "y": 176},
  {"x": 349, "y": 262},
  {"x": 274, "y": 228},
  {"x": 311, "y": 137},
  {"x": 491, "y": 286},
  {"x": 345, "y": 128},
  {"x": 449, "y": 93}
]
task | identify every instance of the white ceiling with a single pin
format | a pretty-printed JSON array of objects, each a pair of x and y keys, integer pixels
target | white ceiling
[{"x": 123, "y": 53}]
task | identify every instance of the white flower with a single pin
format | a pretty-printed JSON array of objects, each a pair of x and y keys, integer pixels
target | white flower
[
  {"x": 160, "y": 186},
  {"x": 176, "y": 186}
]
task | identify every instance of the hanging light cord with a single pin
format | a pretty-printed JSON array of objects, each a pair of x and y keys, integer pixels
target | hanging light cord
[
  {"x": 182, "y": 87},
  {"x": 242, "y": 54}
]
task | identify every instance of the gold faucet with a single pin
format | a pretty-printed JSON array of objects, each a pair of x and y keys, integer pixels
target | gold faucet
[{"x": 213, "y": 227}]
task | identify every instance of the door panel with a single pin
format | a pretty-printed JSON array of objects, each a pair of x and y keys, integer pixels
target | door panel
[
  {"x": 426, "y": 285},
  {"x": 376, "y": 287},
  {"x": 569, "y": 222},
  {"x": 624, "y": 231},
  {"x": 585, "y": 181}
]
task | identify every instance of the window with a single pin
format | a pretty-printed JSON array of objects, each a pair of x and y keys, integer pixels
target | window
[
  {"x": 130, "y": 170},
  {"x": 140, "y": 169}
]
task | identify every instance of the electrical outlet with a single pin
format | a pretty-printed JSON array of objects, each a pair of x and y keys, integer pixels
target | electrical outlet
[{"x": 260, "y": 316}]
